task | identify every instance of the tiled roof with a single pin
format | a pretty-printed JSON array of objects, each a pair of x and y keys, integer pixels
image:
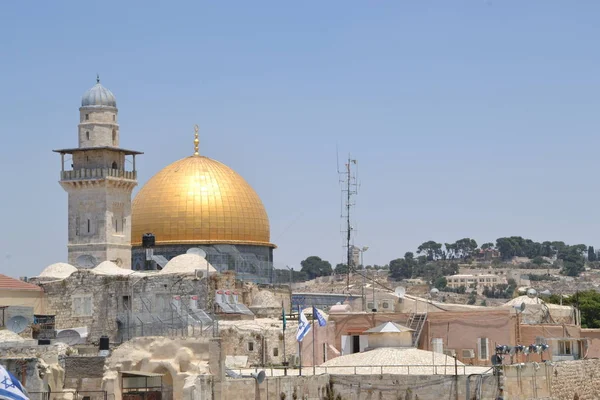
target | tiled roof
[{"x": 6, "y": 282}]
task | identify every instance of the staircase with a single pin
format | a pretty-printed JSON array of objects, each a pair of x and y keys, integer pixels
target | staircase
[{"x": 416, "y": 321}]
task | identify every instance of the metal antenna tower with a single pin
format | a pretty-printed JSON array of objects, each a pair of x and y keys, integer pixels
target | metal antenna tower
[{"x": 349, "y": 189}]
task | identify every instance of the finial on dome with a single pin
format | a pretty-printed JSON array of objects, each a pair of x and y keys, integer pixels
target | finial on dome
[
  {"x": 97, "y": 78},
  {"x": 196, "y": 140}
]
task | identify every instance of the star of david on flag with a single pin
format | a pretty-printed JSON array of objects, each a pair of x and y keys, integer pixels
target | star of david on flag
[
  {"x": 10, "y": 387},
  {"x": 303, "y": 326}
]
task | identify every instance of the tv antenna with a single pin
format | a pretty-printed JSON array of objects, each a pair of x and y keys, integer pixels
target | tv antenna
[{"x": 349, "y": 189}]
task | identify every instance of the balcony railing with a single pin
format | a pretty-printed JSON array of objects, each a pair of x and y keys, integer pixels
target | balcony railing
[{"x": 97, "y": 173}]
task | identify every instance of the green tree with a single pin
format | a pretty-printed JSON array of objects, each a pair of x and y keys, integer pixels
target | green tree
[
  {"x": 431, "y": 249},
  {"x": 341, "y": 269},
  {"x": 400, "y": 268},
  {"x": 588, "y": 302},
  {"x": 572, "y": 258},
  {"x": 313, "y": 267},
  {"x": 464, "y": 248},
  {"x": 591, "y": 254},
  {"x": 488, "y": 245},
  {"x": 440, "y": 283},
  {"x": 540, "y": 261}
]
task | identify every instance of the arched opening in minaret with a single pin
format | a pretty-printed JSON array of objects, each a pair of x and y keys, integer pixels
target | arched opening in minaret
[
  {"x": 87, "y": 135},
  {"x": 114, "y": 165},
  {"x": 114, "y": 137}
]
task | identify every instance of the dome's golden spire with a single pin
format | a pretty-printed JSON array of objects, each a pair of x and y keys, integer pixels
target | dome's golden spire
[{"x": 196, "y": 140}]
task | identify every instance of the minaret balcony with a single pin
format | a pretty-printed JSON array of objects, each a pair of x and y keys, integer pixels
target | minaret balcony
[{"x": 97, "y": 173}]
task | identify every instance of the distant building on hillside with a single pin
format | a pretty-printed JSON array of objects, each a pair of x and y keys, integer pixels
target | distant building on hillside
[{"x": 456, "y": 281}]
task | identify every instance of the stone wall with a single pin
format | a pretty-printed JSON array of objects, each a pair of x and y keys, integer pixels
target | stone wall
[
  {"x": 84, "y": 373},
  {"x": 110, "y": 298}
]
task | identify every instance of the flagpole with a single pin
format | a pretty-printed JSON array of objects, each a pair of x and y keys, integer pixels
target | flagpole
[
  {"x": 300, "y": 344},
  {"x": 284, "y": 356},
  {"x": 313, "y": 329}
]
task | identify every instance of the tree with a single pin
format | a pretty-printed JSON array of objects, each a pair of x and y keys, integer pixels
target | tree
[
  {"x": 591, "y": 254},
  {"x": 572, "y": 258},
  {"x": 464, "y": 248},
  {"x": 313, "y": 267},
  {"x": 400, "y": 268},
  {"x": 440, "y": 283},
  {"x": 588, "y": 302},
  {"x": 431, "y": 249},
  {"x": 488, "y": 245},
  {"x": 341, "y": 269}
]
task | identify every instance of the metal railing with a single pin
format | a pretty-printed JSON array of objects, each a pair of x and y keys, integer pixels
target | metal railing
[
  {"x": 97, "y": 173},
  {"x": 76, "y": 395},
  {"x": 404, "y": 369}
]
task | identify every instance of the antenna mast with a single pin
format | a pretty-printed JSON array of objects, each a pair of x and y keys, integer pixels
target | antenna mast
[{"x": 349, "y": 189}]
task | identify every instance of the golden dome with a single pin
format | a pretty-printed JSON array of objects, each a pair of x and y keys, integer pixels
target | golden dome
[{"x": 197, "y": 200}]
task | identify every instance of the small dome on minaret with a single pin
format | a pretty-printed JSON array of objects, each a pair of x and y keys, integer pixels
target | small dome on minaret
[{"x": 98, "y": 96}]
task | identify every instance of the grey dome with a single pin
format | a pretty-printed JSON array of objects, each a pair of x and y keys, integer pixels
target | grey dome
[{"x": 98, "y": 96}]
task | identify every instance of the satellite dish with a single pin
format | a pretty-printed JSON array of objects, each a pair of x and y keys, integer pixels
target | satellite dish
[
  {"x": 86, "y": 261},
  {"x": 196, "y": 250},
  {"x": 260, "y": 377},
  {"x": 545, "y": 293},
  {"x": 400, "y": 291},
  {"x": 531, "y": 293},
  {"x": 68, "y": 336},
  {"x": 522, "y": 306},
  {"x": 434, "y": 292},
  {"x": 17, "y": 324}
]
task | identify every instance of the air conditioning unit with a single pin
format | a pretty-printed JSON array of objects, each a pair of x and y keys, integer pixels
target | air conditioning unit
[
  {"x": 450, "y": 352},
  {"x": 468, "y": 353}
]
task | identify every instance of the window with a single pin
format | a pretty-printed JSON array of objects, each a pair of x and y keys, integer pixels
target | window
[
  {"x": 114, "y": 165},
  {"x": 82, "y": 305},
  {"x": 275, "y": 352},
  {"x": 564, "y": 347},
  {"x": 126, "y": 303},
  {"x": 114, "y": 117},
  {"x": 385, "y": 304},
  {"x": 77, "y": 226},
  {"x": 87, "y": 117},
  {"x": 250, "y": 346},
  {"x": 482, "y": 348},
  {"x": 114, "y": 137},
  {"x": 89, "y": 226},
  {"x": 87, "y": 135}
]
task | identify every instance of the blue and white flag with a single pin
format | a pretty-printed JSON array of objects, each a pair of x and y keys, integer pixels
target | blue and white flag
[
  {"x": 320, "y": 318},
  {"x": 303, "y": 326},
  {"x": 10, "y": 387}
]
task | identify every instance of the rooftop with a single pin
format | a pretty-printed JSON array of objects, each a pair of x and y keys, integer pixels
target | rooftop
[{"x": 8, "y": 283}]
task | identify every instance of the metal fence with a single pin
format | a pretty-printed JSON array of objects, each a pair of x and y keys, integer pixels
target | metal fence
[
  {"x": 404, "y": 369},
  {"x": 77, "y": 395},
  {"x": 178, "y": 321}
]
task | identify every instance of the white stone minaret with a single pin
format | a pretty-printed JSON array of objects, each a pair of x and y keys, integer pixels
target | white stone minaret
[{"x": 98, "y": 185}]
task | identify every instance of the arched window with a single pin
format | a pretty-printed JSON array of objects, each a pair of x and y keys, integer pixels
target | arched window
[
  {"x": 114, "y": 165},
  {"x": 114, "y": 137},
  {"x": 87, "y": 135}
]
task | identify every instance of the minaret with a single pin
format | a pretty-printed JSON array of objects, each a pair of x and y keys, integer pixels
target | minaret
[{"x": 98, "y": 185}]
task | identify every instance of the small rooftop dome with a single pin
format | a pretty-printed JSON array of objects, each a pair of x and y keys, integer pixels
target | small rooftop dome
[
  {"x": 187, "y": 264},
  {"x": 58, "y": 271},
  {"x": 110, "y": 268},
  {"x": 98, "y": 96}
]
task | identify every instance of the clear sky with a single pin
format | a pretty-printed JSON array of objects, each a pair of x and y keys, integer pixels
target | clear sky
[{"x": 468, "y": 118}]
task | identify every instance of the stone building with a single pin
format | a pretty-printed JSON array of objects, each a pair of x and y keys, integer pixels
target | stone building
[{"x": 98, "y": 185}]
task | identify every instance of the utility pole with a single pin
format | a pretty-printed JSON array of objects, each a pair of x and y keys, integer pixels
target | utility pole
[{"x": 364, "y": 271}]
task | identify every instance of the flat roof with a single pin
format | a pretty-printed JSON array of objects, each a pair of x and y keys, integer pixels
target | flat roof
[{"x": 111, "y": 148}]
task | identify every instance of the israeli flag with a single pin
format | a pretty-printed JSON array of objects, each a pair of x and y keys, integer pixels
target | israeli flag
[
  {"x": 320, "y": 318},
  {"x": 10, "y": 387},
  {"x": 303, "y": 327}
]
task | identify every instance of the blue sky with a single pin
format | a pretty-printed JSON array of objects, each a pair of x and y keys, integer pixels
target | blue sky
[{"x": 468, "y": 118}]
